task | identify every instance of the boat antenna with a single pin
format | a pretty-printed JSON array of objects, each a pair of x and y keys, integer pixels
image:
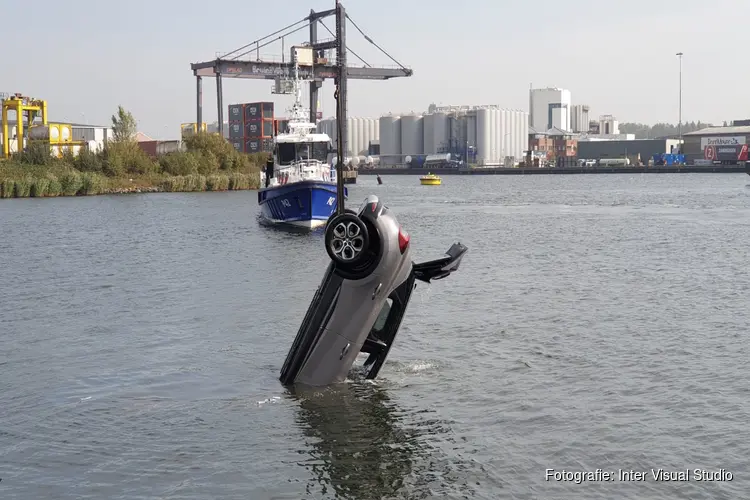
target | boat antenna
[{"x": 340, "y": 96}]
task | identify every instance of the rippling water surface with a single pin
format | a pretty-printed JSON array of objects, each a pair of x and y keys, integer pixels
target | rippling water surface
[{"x": 597, "y": 322}]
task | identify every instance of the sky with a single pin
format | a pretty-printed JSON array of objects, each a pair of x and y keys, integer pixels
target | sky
[{"x": 617, "y": 57}]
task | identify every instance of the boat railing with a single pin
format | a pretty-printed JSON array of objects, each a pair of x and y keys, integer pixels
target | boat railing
[{"x": 303, "y": 170}]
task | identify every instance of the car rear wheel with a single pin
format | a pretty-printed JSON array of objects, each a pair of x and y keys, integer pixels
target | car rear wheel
[{"x": 347, "y": 240}]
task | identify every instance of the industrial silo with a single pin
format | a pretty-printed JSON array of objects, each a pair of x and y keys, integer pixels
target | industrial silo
[
  {"x": 372, "y": 133},
  {"x": 328, "y": 126},
  {"x": 436, "y": 133},
  {"x": 353, "y": 133},
  {"x": 390, "y": 140},
  {"x": 483, "y": 136},
  {"x": 412, "y": 135}
]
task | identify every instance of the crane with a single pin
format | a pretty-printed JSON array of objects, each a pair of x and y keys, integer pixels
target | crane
[{"x": 231, "y": 65}]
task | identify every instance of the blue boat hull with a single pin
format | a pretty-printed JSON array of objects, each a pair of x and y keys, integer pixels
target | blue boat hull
[{"x": 305, "y": 204}]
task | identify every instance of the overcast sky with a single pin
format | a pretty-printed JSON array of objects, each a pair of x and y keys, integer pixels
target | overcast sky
[{"x": 618, "y": 57}]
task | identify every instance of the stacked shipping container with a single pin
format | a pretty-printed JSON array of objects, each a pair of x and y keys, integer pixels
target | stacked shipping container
[
  {"x": 280, "y": 126},
  {"x": 251, "y": 127}
]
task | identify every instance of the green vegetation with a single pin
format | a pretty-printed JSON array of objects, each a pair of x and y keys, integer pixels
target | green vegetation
[
  {"x": 209, "y": 163},
  {"x": 660, "y": 130}
]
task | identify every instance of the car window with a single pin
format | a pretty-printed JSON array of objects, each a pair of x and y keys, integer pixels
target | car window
[{"x": 383, "y": 316}]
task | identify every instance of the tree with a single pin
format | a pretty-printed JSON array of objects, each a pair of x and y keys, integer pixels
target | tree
[
  {"x": 124, "y": 126},
  {"x": 658, "y": 130}
]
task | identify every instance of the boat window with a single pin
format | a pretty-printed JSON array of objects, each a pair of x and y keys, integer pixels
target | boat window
[
  {"x": 383, "y": 316},
  {"x": 292, "y": 151}
]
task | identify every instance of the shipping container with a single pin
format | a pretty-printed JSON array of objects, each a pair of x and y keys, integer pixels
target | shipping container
[
  {"x": 253, "y": 146},
  {"x": 258, "y": 146},
  {"x": 254, "y": 130},
  {"x": 281, "y": 126},
  {"x": 253, "y": 111},
  {"x": 236, "y": 113},
  {"x": 257, "y": 130},
  {"x": 268, "y": 111},
  {"x": 236, "y": 130},
  {"x": 237, "y": 144},
  {"x": 164, "y": 147},
  {"x": 148, "y": 147}
]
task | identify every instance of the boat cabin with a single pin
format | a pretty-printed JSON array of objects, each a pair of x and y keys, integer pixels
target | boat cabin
[{"x": 312, "y": 147}]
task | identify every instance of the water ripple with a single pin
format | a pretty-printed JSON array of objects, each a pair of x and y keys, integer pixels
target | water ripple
[{"x": 597, "y": 322}]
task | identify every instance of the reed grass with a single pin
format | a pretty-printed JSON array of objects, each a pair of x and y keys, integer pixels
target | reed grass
[
  {"x": 209, "y": 164},
  {"x": 39, "y": 187}
]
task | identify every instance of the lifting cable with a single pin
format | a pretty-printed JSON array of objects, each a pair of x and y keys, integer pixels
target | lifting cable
[
  {"x": 347, "y": 48},
  {"x": 267, "y": 36},
  {"x": 373, "y": 42},
  {"x": 273, "y": 40}
]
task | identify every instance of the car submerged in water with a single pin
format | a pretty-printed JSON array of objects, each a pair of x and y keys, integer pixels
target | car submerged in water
[{"x": 362, "y": 299}]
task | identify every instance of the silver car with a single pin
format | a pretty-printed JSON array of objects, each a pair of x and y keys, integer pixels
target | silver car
[{"x": 363, "y": 297}]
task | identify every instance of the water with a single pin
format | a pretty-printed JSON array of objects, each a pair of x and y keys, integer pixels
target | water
[{"x": 597, "y": 322}]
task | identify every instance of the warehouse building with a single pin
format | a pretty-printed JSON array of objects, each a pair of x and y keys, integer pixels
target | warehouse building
[
  {"x": 93, "y": 136},
  {"x": 725, "y": 145},
  {"x": 643, "y": 149}
]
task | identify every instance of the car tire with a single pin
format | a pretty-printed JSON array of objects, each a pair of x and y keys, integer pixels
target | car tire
[
  {"x": 335, "y": 213},
  {"x": 347, "y": 240}
]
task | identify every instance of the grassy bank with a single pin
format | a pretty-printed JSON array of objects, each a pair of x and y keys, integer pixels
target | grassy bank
[{"x": 209, "y": 164}]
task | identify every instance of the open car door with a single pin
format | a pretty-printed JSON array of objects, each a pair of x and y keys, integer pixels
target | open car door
[{"x": 383, "y": 332}]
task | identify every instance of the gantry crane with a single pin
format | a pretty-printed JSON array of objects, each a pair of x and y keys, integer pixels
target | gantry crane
[
  {"x": 229, "y": 65},
  {"x": 26, "y": 110}
]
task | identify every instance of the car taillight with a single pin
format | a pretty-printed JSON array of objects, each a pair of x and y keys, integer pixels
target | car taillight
[{"x": 403, "y": 240}]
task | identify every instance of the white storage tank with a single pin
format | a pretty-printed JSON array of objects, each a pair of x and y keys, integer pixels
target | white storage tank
[
  {"x": 436, "y": 132},
  {"x": 53, "y": 132},
  {"x": 372, "y": 133},
  {"x": 412, "y": 135},
  {"x": 328, "y": 127},
  {"x": 501, "y": 133},
  {"x": 359, "y": 133},
  {"x": 390, "y": 139},
  {"x": 484, "y": 136},
  {"x": 353, "y": 135}
]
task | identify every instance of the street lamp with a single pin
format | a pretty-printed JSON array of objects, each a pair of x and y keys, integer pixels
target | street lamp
[{"x": 679, "y": 126}]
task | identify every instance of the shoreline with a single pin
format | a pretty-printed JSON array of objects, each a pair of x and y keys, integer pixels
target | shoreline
[
  {"x": 662, "y": 169},
  {"x": 74, "y": 183},
  {"x": 208, "y": 163}
]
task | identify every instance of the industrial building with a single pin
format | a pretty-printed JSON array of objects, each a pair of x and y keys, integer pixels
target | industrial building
[
  {"x": 603, "y": 137},
  {"x": 608, "y": 125},
  {"x": 636, "y": 150},
  {"x": 579, "y": 118},
  {"x": 552, "y": 144},
  {"x": 94, "y": 136},
  {"x": 485, "y": 135},
  {"x": 550, "y": 108},
  {"x": 361, "y": 134},
  {"x": 727, "y": 145}
]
